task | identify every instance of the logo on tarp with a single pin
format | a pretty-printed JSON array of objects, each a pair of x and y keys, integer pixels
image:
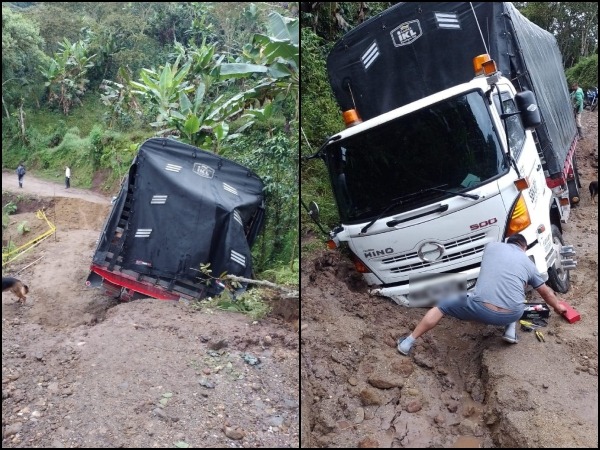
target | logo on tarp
[
  {"x": 406, "y": 33},
  {"x": 203, "y": 170}
]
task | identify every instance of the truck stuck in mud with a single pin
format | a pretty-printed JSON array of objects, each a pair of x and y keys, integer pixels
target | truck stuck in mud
[
  {"x": 460, "y": 132},
  {"x": 179, "y": 208}
]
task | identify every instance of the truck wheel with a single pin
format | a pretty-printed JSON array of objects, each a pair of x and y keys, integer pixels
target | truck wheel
[{"x": 558, "y": 278}]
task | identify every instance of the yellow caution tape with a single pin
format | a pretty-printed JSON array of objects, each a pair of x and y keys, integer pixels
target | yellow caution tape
[{"x": 29, "y": 245}]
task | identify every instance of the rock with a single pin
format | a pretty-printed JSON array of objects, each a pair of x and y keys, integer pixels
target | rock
[
  {"x": 369, "y": 396},
  {"x": 369, "y": 413},
  {"x": 53, "y": 387},
  {"x": 234, "y": 433},
  {"x": 368, "y": 442},
  {"x": 206, "y": 371},
  {"x": 336, "y": 357},
  {"x": 207, "y": 384},
  {"x": 468, "y": 411},
  {"x": 359, "y": 415},
  {"x": 413, "y": 392},
  {"x": 545, "y": 386},
  {"x": 469, "y": 428},
  {"x": 275, "y": 421},
  {"x": 304, "y": 327},
  {"x": 158, "y": 412},
  {"x": 592, "y": 371},
  {"x": 39, "y": 356},
  {"x": 413, "y": 406},
  {"x": 5, "y": 394},
  {"x": 267, "y": 340},
  {"x": 452, "y": 407},
  {"x": 12, "y": 429},
  {"x": 439, "y": 419},
  {"x": 251, "y": 359},
  {"x": 385, "y": 381},
  {"x": 403, "y": 367},
  {"x": 218, "y": 345},
  {"x": 423, "y": 361},
  {"x": 352, "y": 381},
  {"x": 57, "y": 444}
]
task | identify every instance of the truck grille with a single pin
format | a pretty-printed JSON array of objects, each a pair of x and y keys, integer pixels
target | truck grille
[{"x": 454, "y": 250}]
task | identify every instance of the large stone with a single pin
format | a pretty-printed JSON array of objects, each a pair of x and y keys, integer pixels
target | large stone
[
  {"x": 368, "y": 442},
  {"x": 369, "y": 396},
  {"x": 385, "y": 381},
  {"x": 414, "y": 406}
]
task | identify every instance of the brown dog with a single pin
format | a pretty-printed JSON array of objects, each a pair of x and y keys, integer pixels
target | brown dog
[
  {"x": 16, "y": 287},
  {"x": 594, "y": 190}
]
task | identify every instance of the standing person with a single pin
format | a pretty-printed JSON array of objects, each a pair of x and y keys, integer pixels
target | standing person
[
  {"x": 577, "y": 102},
  {"x": 499, "y": 294},
  {"x": 21, "y": 173},
  {"x": 67, "y": 177}
]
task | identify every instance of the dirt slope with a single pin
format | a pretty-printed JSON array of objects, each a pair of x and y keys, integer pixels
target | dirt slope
[
  {"x": 80, "y": 371},
  {"x": 464, "y": 387}
]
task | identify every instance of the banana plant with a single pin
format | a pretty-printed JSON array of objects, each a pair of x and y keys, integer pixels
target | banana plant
[
  {"x": 163, "y": 89},
  {"x": 66, "y": 74},
  {"x": 273, "y": 58}
]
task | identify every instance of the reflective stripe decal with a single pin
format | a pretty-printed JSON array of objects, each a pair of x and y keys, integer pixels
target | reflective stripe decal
[
  {"x": 173, "y": 168},
  {"x": 238, "y": 258},
  {"x": 158, "y": 199},
  {"x": 229, "y": 188},
  {"x": 143, "y": 232}
]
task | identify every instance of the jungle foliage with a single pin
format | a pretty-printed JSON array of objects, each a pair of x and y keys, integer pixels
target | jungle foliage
[{"x": 84, "y": 84}]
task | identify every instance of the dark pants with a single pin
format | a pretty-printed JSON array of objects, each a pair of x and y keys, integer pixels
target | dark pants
[
  {"x": 21, "y": 180},
  {"x": 67, "y": 182}
]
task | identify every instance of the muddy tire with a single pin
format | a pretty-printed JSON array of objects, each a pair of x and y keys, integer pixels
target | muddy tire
[{"x": 558, "y": 278}]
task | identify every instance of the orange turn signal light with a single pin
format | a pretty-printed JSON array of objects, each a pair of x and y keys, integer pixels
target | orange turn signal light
[
  {"x": 331, "y": 244},
  {"x": 351, "y": 118},
  {"x": 563, "y": 201},
  {"x": 522, "y": 184},
  {"x": 478, "y": 62}
]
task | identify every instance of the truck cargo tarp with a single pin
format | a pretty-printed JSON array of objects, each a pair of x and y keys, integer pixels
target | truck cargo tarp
[
  {"x": 413, "y": 50},
  {"x": 181, "y": 207}
]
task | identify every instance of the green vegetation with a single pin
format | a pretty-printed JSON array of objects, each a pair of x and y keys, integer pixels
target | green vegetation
[
  {"x": 84, "y": 83},
  {"x": 585, "y": 72}
]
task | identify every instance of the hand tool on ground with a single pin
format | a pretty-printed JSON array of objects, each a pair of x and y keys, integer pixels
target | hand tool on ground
[{"x": 540, "y": 336}]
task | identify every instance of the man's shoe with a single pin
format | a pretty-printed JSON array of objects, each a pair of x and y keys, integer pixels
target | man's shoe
[
  {"x": 510, "y": 333},
  {"x": 404, "y": 349}
]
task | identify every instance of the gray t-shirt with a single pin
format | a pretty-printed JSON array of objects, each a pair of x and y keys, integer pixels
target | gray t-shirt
[{"x": 505, "y": 271}]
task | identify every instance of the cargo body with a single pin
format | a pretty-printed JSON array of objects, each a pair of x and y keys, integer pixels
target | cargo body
[
  {"x": 179, "y": 207},
  {"x": 443, "y": 154}
]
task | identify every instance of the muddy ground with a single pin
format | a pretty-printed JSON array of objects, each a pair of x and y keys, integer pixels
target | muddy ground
[
  {"x": 463, "y": 386},
  {"x": 80, "y": 369}
]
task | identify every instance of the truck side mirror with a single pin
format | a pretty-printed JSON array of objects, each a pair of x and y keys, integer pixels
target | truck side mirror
[{"x": 528, "y": 109}]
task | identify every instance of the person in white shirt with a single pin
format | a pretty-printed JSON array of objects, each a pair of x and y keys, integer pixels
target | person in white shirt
[{"x": 67, "y": 177}]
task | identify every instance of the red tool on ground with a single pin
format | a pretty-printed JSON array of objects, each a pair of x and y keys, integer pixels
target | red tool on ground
[{"x": 571, "y": 315}]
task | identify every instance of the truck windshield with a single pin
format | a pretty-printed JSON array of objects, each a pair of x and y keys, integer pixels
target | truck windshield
[{"x": 451, "y": 145}]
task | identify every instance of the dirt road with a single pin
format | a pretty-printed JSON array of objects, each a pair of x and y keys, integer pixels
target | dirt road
[
  {"x": 463, "y": 387},
  {"x": 45, "y": 188},
  {"x": 80, "y": 370}
]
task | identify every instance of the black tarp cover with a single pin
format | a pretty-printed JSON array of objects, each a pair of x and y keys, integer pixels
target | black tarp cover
[
  {"x": 413, "y": 50},
  {"x": 188, "y": 207}
]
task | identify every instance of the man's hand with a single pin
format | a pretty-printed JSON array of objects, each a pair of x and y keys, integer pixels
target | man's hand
[
  {"x": 560, "y": 309},
  {"x": 551, "y": 298}
]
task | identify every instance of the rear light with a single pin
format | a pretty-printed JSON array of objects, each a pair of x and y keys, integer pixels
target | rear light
[
  {"x": 331, "y": 244},
  {"x": 519, "y": 219}
]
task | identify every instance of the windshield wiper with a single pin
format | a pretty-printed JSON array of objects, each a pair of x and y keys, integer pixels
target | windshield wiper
[
  {"x": 400, "y": 200},
  {"x": 473, "y": 196},
  {"x": 395, "y": 203}
]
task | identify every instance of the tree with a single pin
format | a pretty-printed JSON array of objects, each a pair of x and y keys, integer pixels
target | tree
[{"x": 21, "y": 55}]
